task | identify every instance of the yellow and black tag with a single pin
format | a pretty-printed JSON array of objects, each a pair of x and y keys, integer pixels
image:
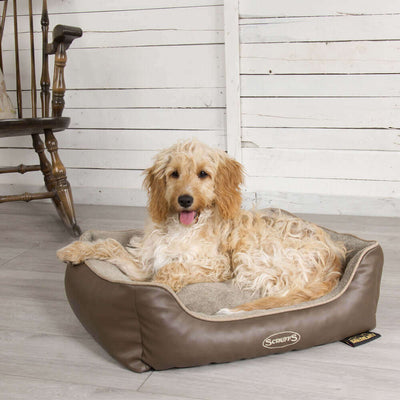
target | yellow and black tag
[{"x": 361, "y": 338}]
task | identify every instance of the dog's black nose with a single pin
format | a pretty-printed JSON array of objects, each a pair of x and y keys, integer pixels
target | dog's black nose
[{"x": 185, "y": 200}]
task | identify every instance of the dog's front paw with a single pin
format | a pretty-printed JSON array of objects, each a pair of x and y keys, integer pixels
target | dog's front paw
[
  {"x": 75, "y": 253},
  {"x": 175, "y": 284}
]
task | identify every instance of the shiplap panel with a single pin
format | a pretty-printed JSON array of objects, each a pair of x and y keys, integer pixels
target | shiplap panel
[
  {"x": 372, "y": 85},
  {"x": 202, "y": 97},
  {"x": 321, "y": 112},
  {"x": 128, "y": 139},
  {"x": 332, "y": 164},
  {"x": 177, "y": 19},
  {"x": 136, "y": 67},
  {"x": 88, "y": 6},
  {"x": 127, "y": 38},
  {"x": 88, "y": 158},
  {"x": 147, "y": 118},
  {"x": 320, "y": 58},
  {"x": 212, "y": 119},
  {"x": 90, "y": 186},
  {"x": 320, "y": 98},
  {"x": 325, "y": 186},
  {"x": 289, "y": 8},
  {"x": 331, "y": 196},
  {"x": 163, "y": 26},
  {"x": 360, "y": 204},
  {"x": 160, "y": 37},
  {"x": 104, "y": 195},
  {"x": 78, "y": 177},
  {"x": 138, "y": 98},
  {"x": 320, "y": 29},
  {"x": 326, "y": 138}
]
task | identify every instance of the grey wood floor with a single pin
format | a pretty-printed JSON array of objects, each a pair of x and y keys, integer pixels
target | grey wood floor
[{"x": 46, "y": 354}]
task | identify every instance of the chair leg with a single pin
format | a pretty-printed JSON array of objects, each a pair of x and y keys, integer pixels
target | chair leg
[
  {"x": 45, "y": 165},
  {"x": 57, "y": 181}
]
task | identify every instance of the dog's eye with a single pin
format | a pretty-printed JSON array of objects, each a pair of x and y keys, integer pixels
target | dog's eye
[
  {"x": 203, "y": 174},
  {"x": 175, "y": 174}
]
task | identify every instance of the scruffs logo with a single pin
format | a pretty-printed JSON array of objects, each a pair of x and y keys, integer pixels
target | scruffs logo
[{"x": 281, "y": 339}]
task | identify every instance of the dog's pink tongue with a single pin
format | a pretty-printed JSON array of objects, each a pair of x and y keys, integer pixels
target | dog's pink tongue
[{"x": 187, "y": 217}]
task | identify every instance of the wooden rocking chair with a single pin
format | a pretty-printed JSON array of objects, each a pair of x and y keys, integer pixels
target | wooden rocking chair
[{"x": 57, "y": 185}]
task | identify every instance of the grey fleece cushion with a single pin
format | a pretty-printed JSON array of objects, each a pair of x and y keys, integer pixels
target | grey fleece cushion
[{"x": 208, "y": 298}]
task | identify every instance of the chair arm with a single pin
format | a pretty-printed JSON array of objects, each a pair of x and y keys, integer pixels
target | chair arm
[
  {"x": 63, "y": 34},
  {"x": 62, "y": 38}
]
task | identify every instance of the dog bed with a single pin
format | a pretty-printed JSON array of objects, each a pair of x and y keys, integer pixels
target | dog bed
[{"x": 147, "y": 326}]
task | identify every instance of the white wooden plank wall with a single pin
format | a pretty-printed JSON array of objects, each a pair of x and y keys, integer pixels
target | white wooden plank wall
[
  {"x": 320, "y": 97},
  {"x": 145, "y": 74}
]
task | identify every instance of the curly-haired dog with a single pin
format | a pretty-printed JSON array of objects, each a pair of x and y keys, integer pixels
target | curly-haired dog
[{"x": 198, "y": 233}]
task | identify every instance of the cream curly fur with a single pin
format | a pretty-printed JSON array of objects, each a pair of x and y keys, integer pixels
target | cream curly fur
[{"x": 282, "y": 259}]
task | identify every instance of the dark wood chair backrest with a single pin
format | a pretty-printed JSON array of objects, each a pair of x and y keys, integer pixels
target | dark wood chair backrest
[{"x": 62, "y": 38}]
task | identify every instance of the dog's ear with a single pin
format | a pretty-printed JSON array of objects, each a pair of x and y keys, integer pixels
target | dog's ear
[
  {"x": 156, "y": 187},
  {"x": 228, "y": 179}
]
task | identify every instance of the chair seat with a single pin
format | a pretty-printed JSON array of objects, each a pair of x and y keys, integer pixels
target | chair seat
[{"x": 29, "y": 126}]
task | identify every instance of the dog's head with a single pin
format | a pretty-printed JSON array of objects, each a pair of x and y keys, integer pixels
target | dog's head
[{"x": 190, "y": 177}]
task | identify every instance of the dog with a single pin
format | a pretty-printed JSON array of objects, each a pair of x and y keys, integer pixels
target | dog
[{"x": 198, "y": 233}]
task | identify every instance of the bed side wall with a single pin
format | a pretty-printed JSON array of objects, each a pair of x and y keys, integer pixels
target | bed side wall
[{"x": 107, "y": 311}]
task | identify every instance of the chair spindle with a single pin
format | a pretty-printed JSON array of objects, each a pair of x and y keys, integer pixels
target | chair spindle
[
  {"x": 33, "y": 68},
  {"x": 18, "y": 73},
  {"x": 45, "y": 78}
]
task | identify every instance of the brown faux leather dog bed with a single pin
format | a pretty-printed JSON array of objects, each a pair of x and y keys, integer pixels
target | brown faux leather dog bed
[{"x": 147, "y": 326}]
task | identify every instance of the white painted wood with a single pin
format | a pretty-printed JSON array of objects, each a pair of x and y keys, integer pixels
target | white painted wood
[
  {"x": 320, "y": 29},
  {"x": 138, "y": 139},
  {"x": 138, "y": 98},
  {"x": 127, "y": 139},
  {"x": 93, "y": 159},
  {"x": 233, "y": 112},
  {"x": 324, "y": 187},
  {"x": 326, "y": 138},
  {"x": 288, "y": 8},
  {"x": 371, "y": 85},
  {"x": 160, "y": 26},
  {"x": 146, "y": 118},
  {"x": 321, "y": 112},
  {"x": 367, "y": 165},
  {"x": 198, "y": 119},
  {"x": 319, "y": 90},
  {"x": 137, "y": 67},
  {"x": 332, "y": 203},
  {"x": 84, "y": 177},
  {"x": 76, "y": 6},
  {"x": 320, "y": 58},
  {"x": 99, "y": 195}
]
